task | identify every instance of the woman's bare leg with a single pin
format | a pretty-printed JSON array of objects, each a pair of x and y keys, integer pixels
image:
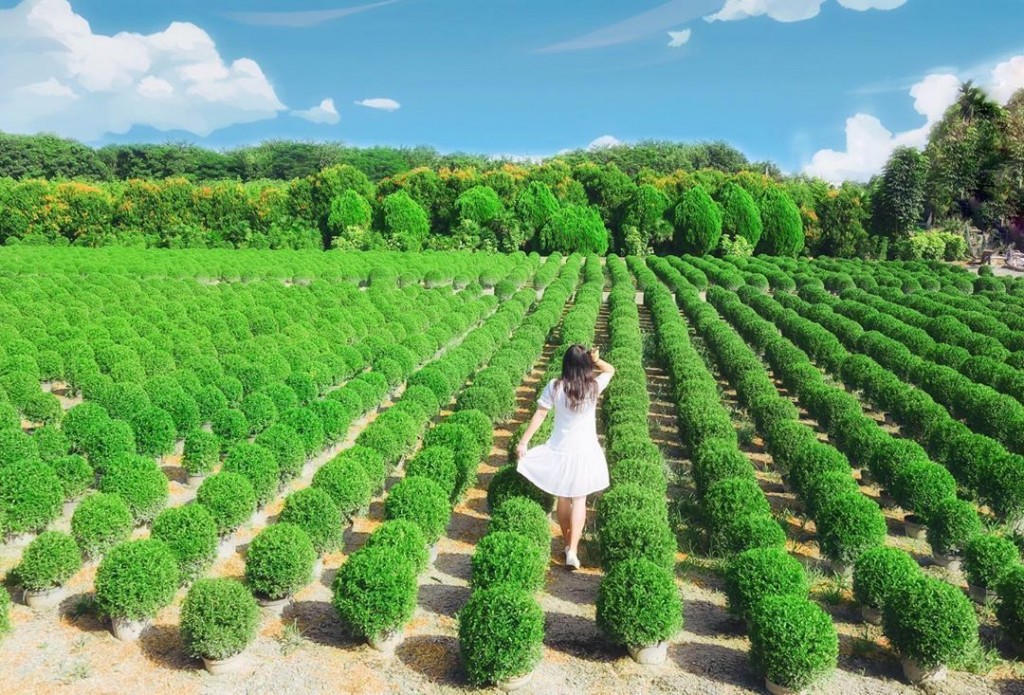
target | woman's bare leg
[
  {"x": 565, "y": 518},
  {"x": 577, "y": 521}
]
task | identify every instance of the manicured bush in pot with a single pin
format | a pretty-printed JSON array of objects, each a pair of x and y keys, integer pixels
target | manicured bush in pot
[
  {"x": 229, "y": 498},
  {"x": 279, "y": 562},
  {"x": 191, "y": 533},
  {"x": 140, "y": 483},
  {"x": 100, "y": 522},
  {"x": 421, "y": 501},
  {"x": 523, "y": 516},
  {"x": 987, "y": 558},
  {"x": 755, "y": 574},
  {"x": 375, "y": 592},
  {"x": 219, "y": 619},
  {"x": 134, "y": 581},
  {"x": 793, "y": 642},
  {"x": 878, "y": 574},
  {"x": 46, "y": 564},
  {"x": 202, "y": 452},
  {"x": 314, "y": 512},
  {"x": 501, "y": 635},
  {"x": 506, "y": 557},
  {"x": 638, "y": 604}
]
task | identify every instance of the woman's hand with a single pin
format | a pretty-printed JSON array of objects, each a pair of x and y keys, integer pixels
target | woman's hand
[
  {"x": 521, "y": 449},
  {"x": 595, "y": 355}
]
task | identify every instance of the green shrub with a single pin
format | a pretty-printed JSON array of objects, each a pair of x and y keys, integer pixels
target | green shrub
[
  {"x": 740, "y": 216},
  {"x": 116, "y": 438},
  {"x": 286, "y": 446},
  {"x": 731, "y": 498},
  {"x": 313, "y": 510},
  {"x": 698, "y": 223},
  {"x": 48, "y": 561},
  {"x": 219, "y": 619},
  {"x": 100, "y": 522},
  {"x": 574, "y": 229},
  {"x": 986, "y": 558},
  {"x": 371, "y": 462},
  {"x": 783, "y": 233},
  {"x": 646, "y": 474},
  {"x": 435, "y": 380},
  {"x": 83, "y": 424},
  {"x": 51, "y": 443},
  {"x": 375, "y": 592},
  {"x": 259, "y": 466},
  {"x": 930, "y": 622},
  {"x": 1011, "y": 602},
  {"x": 626, "y": 536},
  {"x": 31, "y": 495},
  {"x": 260, "y": 411},
  {"x": 335, "y": 419},
  {"x": 202, "y": 452},
  {"x": 421, "y": 501},
  {"x": 191, "y": 533},
  {"x": 921, "y": 485},
  {"x": 282, "y": 395},
  {"x": 155, "y": 432},
  {"x": 230, "y": 425},
  {"x": 347, "y": 484},
  {"x": 953, "y": 522},
  {"x": 522, "y": 516},
  {"x": 756, "y": 574},
  {"x": 385, "y": 441},
  {"x": 403, "y": 539},
  {"x": 436, "y": 463},
  {"x": 627, "y": 500},
  {"x": 279, "y": 561},
  {"x": 718, "y": 459},
  {"x": 16, "y": 446},
  {"x": 501, "y": 634},
  {"x": 506, "y": 557},
  {"x": 848, "y": 525},
  {"x": 508, "y": 483},
  {"x": 881, "y": 572},
  {"x": 745, "y": 532},
  {"x": 140, "y": 483},
  {"x": 136, "y": 579},
  {"x": 793, "y": 642},
  {"x": 638, "y": 604},
  {"x": 75, "y": 474},
  {"x": 229, "y": 498}
]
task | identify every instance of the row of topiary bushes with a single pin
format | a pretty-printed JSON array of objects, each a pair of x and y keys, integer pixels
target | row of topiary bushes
[
  {"x": 638, "y": 603},
  {"x": 793, "y": 641},
  {"x": 375, "y": 590},
  {"x": 978, "y": 463}
]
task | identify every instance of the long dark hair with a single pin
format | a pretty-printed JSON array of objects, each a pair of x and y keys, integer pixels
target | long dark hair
[{"x": 577, "y": 380}]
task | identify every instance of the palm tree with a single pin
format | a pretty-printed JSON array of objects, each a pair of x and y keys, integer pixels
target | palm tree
[{"x": 974, "y": 103}]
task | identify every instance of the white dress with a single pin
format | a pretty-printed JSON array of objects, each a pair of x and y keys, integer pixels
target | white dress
[{"x": 571, "y": 463}]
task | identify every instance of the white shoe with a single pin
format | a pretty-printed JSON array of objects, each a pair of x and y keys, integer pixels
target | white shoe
[{"x": 571, "y": 560}]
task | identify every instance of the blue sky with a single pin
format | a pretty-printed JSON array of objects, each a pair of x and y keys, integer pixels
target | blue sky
[{"x": 786, "y": 80}]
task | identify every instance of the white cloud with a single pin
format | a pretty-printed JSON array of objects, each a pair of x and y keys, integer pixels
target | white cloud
[
  {"x": 792, "y": 10},
  {"x": 325, "y": 113},
  {"x": 679, "y": 38},
  {"x": 869, "y": 143},
  {"x": 603, "y": 142},
  {"x": 380, "y": 104},
  {"x": 302, "y": 18},
  {"x": 57, "y": 75}
]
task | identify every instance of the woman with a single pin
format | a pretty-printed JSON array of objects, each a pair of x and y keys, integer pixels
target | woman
[{"x": 571, "y": 464}]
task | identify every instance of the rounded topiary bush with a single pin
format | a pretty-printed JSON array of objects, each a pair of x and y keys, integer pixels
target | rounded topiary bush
[
  {"x": 219, "y": 619},
  {"x": 286, "y": 446},
  {"x": 438, "y": 464},
  {"x": 202, "y": 452},
  {"x": 403, "y": 538},
  {"x": 75, "y": 474},
  {"x": 880, "y": 573},
  {"x": 986, "y": 558},
  {"x": 140, "y": 483},
  {"x": 116, "y": 439},
  {"x": 100, "y": 522},
  {"x": 745, "y": 532},
  {"x": 191, "y": 533},
  {"x": 155, "y": 432},
  {"x": 31, "y": 495},
  {"x": 506, "y": 557},
  {"x": 479, "y": 424},
  {"x": 731, "y": 498},
  {"x": 229, "y": 498},
  {"x": 756, "y": 574},
  {"x": 313, "y": 510},
  {"x": 501, "y": 634},
  {"x": 638, "y": 604},
  {"x": 633, "y": 535},
  {"x": 136, "y": 579},
  {"x": 279, "y": 561},
  {"x": 347, "y": 484},
  {"x": 921, "y": 485},
  {"x": 523, "y": 516},
  {"x": 258, "y": 466},
  {"x": 421, "y": 501},
  {"x": 952, "y": 524},
  {"x": 647, "y": 474},
  {"x": 627, "y": 500},
  {"x": 465, "y": 447},
  {"x": 371, "y": 462},
  {"x": 1010, "y": 610},
  {"x": 51, "y": 443},
  {"x": 718, "y": 459},
  {"x": 849, "y": 525},
  {"x": 930, "y": 622},
  {"x": 375, "y": 590},
  {"x": 698, "y": 223},
  {"x": 230, "y": 425},
  {"x": 83, "y": 424},
  {"x": 793, "y": 642},
  {"x": 508, "y": 483},
  {"x": 48, "y": 561},
  {"x": 260, "y": 411}
]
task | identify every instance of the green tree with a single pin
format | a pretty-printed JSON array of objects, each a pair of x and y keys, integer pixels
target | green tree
[
  {"x": 480, "y": 204},
  {"x": 698, "y": 223},
  {"x": 350, "y": 216},
  {"x": 898, "y": 203},
  {"x": 783, "y": 233},
  {"x": 575, "y": 228},
  {"x": 644, "y": 218},
  {"x": 403, "y": 222},
  {"x": 534, "y": 207},
  {"x": 740, "y": 216},
  {"x": 841, "y": 214}
]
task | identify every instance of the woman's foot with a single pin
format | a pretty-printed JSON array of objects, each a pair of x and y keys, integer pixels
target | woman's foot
[{"x": 571, "y": 560}]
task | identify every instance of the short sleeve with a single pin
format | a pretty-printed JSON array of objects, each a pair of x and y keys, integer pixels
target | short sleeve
[
  {"x": 547, "y": 396},
  {"x": 603, "y": 380}
]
